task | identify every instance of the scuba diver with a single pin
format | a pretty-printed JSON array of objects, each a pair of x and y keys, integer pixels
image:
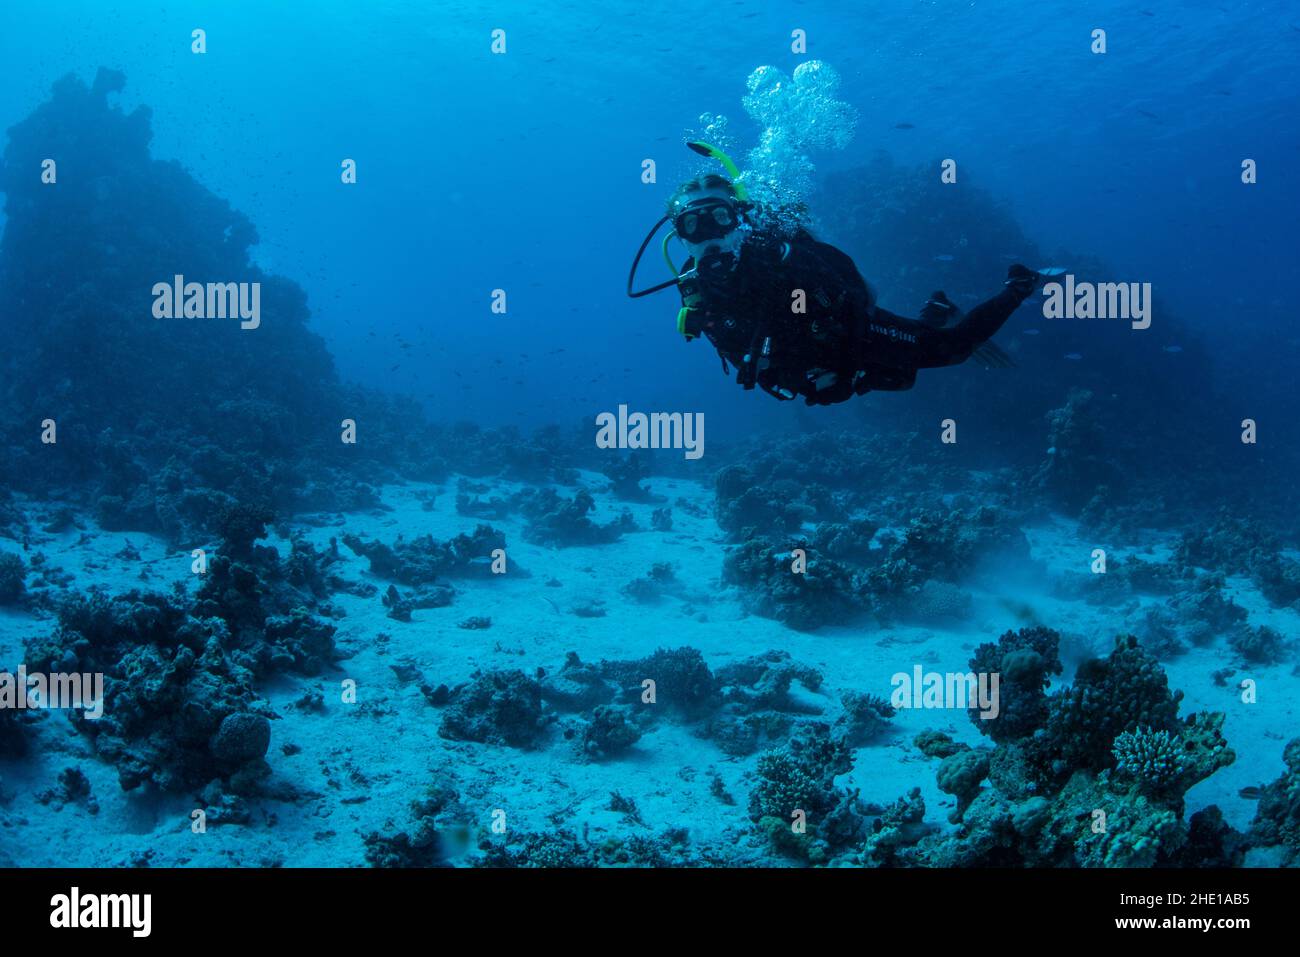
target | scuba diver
[{"x": 794, "y": 316}]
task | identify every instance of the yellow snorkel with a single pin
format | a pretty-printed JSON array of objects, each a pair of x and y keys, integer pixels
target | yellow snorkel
[{"x": 704, "y": 149}]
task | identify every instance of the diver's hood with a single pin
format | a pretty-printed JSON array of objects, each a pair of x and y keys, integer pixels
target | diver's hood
[{"x": 727, "y": 244}]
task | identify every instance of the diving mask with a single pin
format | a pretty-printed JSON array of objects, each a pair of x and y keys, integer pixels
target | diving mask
[{"x": 706, "y": 219}]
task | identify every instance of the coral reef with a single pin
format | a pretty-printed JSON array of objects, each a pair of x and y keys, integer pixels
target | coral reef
[
  {"x": 270, "y": 605},
  {"x": 649, "y": 588},
  {"x": 847, "y": 567},
  {"x": 179, "y": 710},
  {"x": 1025, "y": 661},
  {"x": 1122, "y": 692},
  {"x": 553, "y": 521},
  {"x": 13, "y": 574},
  {"x": 626, "y": 475},
  {"x": 423, "y": 560},
  {"x": 575, "y": 686},
  {"x": 795, "y": 789},
  {"x": 961, "y": 774},
  {"x": 564, "y": 848},
  {"x": 1277, "y": 820},
  {"x": 609, "y": 733},
  {"x": 819, "y": 594},
  {"x": 425, "y": 844},
  {"x": 496, "y": 707},
  {"x": 1261, "y": 645},
  {"x": 1100, "y": 783},
  {"x": 682, "y": 681}
]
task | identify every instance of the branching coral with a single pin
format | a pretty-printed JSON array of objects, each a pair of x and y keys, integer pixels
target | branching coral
[
  {"x": 796, "y": 786},
  {"x": 1122, "y": 692},
  {"x": 1153, "y": 760}
]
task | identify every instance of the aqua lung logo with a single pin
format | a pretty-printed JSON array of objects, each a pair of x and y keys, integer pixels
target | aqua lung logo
[
  {"x": 658, "y": 430},
  {"x": 896, "y": 334},
  {"x": 179, "y": 299}
]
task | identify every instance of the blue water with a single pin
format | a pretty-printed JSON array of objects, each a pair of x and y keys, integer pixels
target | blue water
[{"x": 522, "y": 171}]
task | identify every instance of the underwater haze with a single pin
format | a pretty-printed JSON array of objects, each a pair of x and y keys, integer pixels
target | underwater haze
[{"x": 434, "y": 547}]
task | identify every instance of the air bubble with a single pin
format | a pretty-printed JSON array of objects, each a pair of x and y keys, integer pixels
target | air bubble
[{"x": 797, "y": 116}]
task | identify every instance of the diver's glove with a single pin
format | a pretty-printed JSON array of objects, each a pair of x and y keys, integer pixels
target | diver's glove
[
  {"x": 1025, "y": 280},
  {"x": 1022, "y": 280}
]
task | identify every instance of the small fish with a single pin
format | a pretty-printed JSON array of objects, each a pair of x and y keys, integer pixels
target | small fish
[
  {"x": 904, "y": 126},
  {"x": 1251, "y": 793},
  {"x": 1073, "y": 356},
  {"x": 1173, "y": 348},
  {"x": 1029, "y": 332},
  {"x": 943, "y": 259}
]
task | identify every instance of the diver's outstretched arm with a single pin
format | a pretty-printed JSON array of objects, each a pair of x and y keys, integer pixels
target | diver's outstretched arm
[{"x": 902, "y": 343}]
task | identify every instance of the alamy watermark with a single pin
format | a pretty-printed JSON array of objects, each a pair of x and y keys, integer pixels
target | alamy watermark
[
  {"x": 37, "y": 691},
  {"x": 75, "y": 909},
  {"x": 1098, "y": 300},
  {"x": 933, "y": 689},
  {"x": 179, "y": 299},
  {"x": 657, "y": 430}
]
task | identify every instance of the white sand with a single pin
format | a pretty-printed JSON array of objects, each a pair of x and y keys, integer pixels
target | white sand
[{"x": 366, "y": 762}]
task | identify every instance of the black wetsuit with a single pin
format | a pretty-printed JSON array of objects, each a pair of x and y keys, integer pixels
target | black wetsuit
[{"x": 841, "y": 344}]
